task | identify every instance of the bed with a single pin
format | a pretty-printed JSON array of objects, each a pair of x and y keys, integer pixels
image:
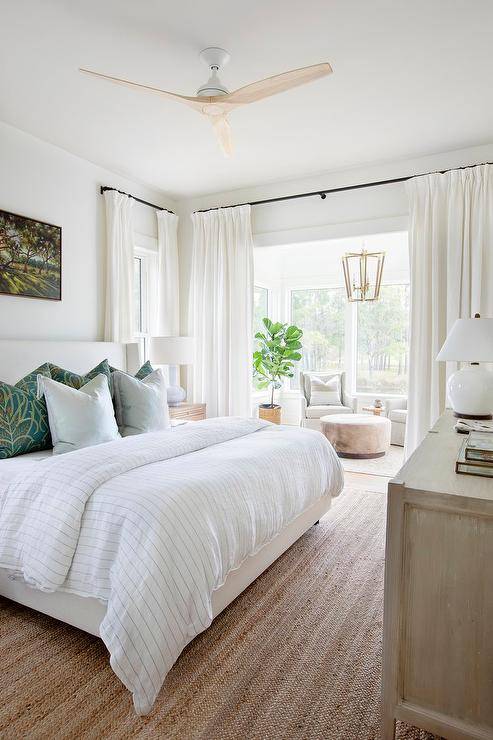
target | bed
[{"x": 143, "y": 541}]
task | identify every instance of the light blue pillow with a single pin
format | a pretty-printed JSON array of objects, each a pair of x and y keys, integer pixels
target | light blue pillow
[
  {"x": 79, "y": 418},
  {"x": 140, "y": 405}
]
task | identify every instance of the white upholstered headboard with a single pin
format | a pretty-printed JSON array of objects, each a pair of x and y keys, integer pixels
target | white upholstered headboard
[{"x": 18, "y": 357}]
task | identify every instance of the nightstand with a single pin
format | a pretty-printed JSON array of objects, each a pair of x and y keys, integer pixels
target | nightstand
[{"x": 188, "y": 411}]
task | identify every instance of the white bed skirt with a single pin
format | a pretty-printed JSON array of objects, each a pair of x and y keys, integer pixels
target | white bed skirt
[{"x": 87, "y": 613}]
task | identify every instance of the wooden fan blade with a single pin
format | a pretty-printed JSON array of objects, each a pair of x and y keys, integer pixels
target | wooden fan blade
[
  {"x": 222, "y": 130},
  {"x": 273, "y": 85},
  {"x": 195, "y": 103}
]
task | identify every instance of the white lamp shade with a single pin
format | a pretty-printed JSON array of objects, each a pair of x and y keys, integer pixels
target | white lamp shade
[
  {"x": 469, "y": 340},
  {"x": 171, "y": 350}
]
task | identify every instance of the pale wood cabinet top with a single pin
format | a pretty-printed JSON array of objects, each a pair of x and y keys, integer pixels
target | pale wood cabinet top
[{"x": 431, "y": 467}]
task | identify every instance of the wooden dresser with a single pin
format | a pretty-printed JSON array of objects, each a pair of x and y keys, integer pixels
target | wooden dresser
[
  {"x": 188, "y": 411},
  {"x": 438, "y": 624}
]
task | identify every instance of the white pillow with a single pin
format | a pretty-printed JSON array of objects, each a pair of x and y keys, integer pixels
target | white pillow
[
  {"x": 325, "y": 393},
  {"x": 141, "y": 405},
  {"x": 78, "y": 418}
]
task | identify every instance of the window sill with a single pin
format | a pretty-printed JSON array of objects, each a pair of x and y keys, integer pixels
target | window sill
[{"x": 378, "y": 394}]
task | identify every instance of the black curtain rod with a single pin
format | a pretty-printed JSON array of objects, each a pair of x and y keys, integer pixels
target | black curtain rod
[
  {"x": 139, "y": 200},
  {"x": 323, "y": 193}
]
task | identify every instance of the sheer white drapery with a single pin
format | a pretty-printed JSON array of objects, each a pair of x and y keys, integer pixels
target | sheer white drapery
[
  {"x": 450, "y": 245},
  {"x": 221, "y": 310},
  {"x": 118, "y": 324}
]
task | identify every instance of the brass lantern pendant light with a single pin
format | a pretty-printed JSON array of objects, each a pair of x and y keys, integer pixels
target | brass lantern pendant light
[{"x": 363, "y": 275}]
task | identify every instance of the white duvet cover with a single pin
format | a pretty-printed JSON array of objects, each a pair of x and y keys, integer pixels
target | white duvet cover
[{"x": 154, "y": 523}]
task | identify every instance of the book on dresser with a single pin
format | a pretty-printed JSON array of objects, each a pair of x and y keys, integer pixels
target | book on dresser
[
  {"x": 438, "y": 611},
  {"x": 188, "y": 411},
  {"x": 471, "y": 462},
  {"x": 479, "y": 446}
]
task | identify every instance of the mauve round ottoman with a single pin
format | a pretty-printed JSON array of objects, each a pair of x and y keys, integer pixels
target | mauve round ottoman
[{"x": 357, "y": 435}]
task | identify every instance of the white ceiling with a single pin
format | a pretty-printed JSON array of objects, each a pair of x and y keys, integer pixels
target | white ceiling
[{"x": 410, "y": 78}]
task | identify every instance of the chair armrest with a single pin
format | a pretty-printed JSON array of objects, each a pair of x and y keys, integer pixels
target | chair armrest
[
  {"x": 392, "y": 404},
  {"x": 350, "y": 401},
  {"x": 303, "y": 406}
]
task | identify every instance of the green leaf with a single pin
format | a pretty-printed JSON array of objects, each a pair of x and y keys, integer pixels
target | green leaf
[
  {"x": 294, "y": 344},
  {"x": 268, "y": 324},
  {"x": 276, "y": 328},
  {"x": 263, "y": 384},
  {"x": 292, "y": 332}
]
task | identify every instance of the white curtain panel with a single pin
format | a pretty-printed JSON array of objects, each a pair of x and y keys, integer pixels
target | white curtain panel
[
  {"x": 118, "y": 325},
  {"x": 221, "y": 303},
  {"x": 450, "y": 245},
  {"x": 166, "y": 315}
]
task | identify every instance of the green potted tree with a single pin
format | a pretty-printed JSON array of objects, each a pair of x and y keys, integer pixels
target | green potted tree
[{"x": 277, "y": 351}]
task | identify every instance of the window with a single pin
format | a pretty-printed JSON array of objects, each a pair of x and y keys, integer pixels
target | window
[
  {"x": 138, "y": 296},
  {"x": 368, "y": 341},
  {"x": 143, "y": 265},
  {"x": 382, "y": 342},
  {"x": 260, "y": 307},
  {"x": 321, "y": 313},
  {"x": 260, "y": 311}
]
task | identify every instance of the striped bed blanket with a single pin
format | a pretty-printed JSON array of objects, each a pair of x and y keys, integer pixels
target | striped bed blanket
[{"x": 153, "y": 524}]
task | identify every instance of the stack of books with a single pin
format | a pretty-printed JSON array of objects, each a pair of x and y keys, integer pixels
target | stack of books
[{"x": 476, "y": 455}]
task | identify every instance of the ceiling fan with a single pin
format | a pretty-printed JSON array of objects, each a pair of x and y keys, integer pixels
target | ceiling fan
[{"x": 213, "y": 99}]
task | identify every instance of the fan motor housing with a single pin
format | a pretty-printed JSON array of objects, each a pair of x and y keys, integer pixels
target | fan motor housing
[{"x": 215, "y": 58}]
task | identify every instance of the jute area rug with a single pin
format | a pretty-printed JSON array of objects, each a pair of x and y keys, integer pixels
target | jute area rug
[{"x": 298, "y": 655}]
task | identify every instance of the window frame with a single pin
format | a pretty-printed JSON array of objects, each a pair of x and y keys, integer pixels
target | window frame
[
  {"x": 258, "y": 284},
  {"x": 144, "y": 294},
  {"x": 146, "y": 249},
  {"x": 256, "y": 393}
]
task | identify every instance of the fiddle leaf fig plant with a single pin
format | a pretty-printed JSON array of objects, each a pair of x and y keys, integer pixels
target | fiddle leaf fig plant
[{"x": 278, "y": 350}]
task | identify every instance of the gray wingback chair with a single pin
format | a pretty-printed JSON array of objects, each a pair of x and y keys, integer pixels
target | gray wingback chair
[{"x": 310, "y": 415}]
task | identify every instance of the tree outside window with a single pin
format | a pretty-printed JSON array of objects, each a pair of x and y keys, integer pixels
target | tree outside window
[
  {"x": 320, "y": 313},
  {"x": 382, "y": 342}
]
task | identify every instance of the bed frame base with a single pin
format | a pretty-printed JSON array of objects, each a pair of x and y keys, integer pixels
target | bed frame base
[{"x": 87, "y": 613}]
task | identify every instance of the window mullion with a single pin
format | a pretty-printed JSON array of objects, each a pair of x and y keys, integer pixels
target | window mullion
[{"x": 351, "y": 324}]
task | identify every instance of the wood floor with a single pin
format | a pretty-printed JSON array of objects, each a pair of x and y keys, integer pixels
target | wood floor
[{"x": 367, "y": 482}]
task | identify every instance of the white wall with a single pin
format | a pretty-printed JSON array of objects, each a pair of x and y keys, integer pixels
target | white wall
[{"x": 46, "y": 183}]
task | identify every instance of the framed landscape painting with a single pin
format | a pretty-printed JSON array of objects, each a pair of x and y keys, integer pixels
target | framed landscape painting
[{"x": 30, "y": 257}]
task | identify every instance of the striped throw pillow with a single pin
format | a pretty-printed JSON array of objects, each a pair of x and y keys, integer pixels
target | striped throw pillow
[{"x": 325, "y": 393}]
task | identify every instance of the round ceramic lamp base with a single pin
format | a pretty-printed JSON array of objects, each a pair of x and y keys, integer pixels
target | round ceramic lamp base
[{"x": 470, "y": 392}]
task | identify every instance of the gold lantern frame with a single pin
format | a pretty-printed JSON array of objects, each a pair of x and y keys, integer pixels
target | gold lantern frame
[{"x": 358, "y": 294}]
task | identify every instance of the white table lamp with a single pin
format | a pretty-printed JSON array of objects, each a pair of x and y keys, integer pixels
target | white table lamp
[
  {"x": 470, "y": 389},
  {"x": 172, "y": 351}
]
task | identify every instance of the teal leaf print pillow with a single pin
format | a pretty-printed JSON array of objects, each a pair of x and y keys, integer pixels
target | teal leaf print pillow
[
  {"x": 77, "y": 381},
  {"x": 142, "y": 372},
  {"x": 23, "y": 417}
]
